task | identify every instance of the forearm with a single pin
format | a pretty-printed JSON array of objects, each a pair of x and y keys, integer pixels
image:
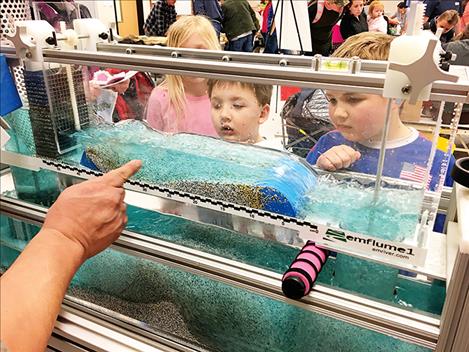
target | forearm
[{"x": 33, "y": 288}]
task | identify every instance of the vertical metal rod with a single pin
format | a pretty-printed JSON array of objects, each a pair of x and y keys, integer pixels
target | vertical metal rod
[
  {"x": 382, "y": 151},
  {"x": 73, "y": 98},
  {"x": 281, "y": 28},
  {"x": 115, "y": 16},
  {"x": 297, "y": 29},
  {"x": 453, "y": 129}
]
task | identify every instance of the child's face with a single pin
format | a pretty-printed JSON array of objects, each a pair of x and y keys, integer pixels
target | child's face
[
  {"x": 358, "y": 117},
  {"x": 356, "y": 8},
  {"x": 376, "y": 12},
  {"x": 236, "y": 113},
  {"x": 445, "y": 25},
  {"x": 402, "y": 10}
]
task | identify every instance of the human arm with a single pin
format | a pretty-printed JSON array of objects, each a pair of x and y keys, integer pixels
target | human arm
[
  {"x": 254, "y": 18},
  {"x": 393, "y": 21},
  {"x": 464, "y": 20},
  {"x": 84, "y": 220},
  {"x": 121, "y": 87},
  {"x": 312, "y": 10},
  {"x": 338, "y": 157},
  {"x": 346, "y": 27}
]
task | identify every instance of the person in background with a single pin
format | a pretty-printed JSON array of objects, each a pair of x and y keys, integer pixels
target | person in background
[
  {"x": 162, "y": 15},
  {"x": 84, "y": 220},
  {"x": 240, "y": 24},
  {"x": 133, "y": 95},
  {"x": 447, "y": 21},
  {"x": 129, "y": 99},
  {"x": 210, "y": 9},
  {"x": 268, "y": 30},
  {"x": 460, "y": 46},
  {"x": 354, "y": 20},
  {"x": 359, "y": 121},
  {"x": 181, "y": 103},
  {"x": 400, "y": 17},
  {"x": 238, "y": 110},
  {"x": 464, "y": 19},
  {"x": 435, "y": 8},
  {"x": 60, "y": 10},
  {"x": 376, "y": 20},
  {"x": 323, "y": 15}
]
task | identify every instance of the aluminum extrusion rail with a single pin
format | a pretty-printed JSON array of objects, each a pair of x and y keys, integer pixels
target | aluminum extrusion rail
[
  {"x": 403, "y": 324},
  {"x": 256, "y": 72},
  {"x": 79, "y": 328},
  {"x": 229, "y": 56}
]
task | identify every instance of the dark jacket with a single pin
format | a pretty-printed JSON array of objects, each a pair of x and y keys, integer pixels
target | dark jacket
[
  {"x": 445, "y": 37},
  {"x": 239, "y": 18},
  {"x": 321, "y": 31},
  {"x": 208, "y": 8},
  {"x": 351, "y": 25},
  {"x": 436, "y": 7}
]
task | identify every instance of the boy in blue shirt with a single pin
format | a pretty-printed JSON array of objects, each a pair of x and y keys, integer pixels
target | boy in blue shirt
[{"x": 359, "y": 121}]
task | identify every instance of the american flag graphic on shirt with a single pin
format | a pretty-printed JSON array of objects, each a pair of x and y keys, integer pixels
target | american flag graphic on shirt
[{"x": 413, "y": 172}]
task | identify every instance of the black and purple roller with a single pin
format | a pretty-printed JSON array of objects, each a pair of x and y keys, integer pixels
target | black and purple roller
[{"x": 299, "y": 279}]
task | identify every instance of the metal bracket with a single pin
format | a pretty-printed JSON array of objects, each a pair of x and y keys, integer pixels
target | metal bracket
[
  {"x": 422, "y": 72},
  {"x": 23, "y": 42}
]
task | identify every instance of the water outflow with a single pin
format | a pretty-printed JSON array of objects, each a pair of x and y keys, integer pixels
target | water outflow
[{"x": 350, "y": 205}]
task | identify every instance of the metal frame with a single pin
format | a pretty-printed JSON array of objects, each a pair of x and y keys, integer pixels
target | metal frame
[
  {"x": 289, "y": 70},
  {"x": 383, "y": 318},
  {"x": 80, "y": 329},
  {"x": 455, "y": 315},
  {"x": 282, "y": 72}
]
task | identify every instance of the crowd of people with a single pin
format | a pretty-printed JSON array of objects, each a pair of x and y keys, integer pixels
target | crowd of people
[{"x": 242, "y": 24}]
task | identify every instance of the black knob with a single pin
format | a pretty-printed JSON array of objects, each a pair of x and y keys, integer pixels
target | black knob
[
  {"x": 445, "y": 66},
  {"x": 51, "y": 40},
  {"x": 103, "y": 35},
  {"x": 447, "y": 55}
]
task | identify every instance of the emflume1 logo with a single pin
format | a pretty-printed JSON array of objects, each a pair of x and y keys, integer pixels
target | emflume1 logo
[
  {"x": 337, "y": 235},
  {"x": 378, "y": 246}
]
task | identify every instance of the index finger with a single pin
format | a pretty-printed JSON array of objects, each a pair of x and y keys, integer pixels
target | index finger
[{"x": 117, "y": 177}]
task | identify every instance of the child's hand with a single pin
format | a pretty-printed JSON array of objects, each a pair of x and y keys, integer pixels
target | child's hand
[{"x": 338, "y": 157}]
